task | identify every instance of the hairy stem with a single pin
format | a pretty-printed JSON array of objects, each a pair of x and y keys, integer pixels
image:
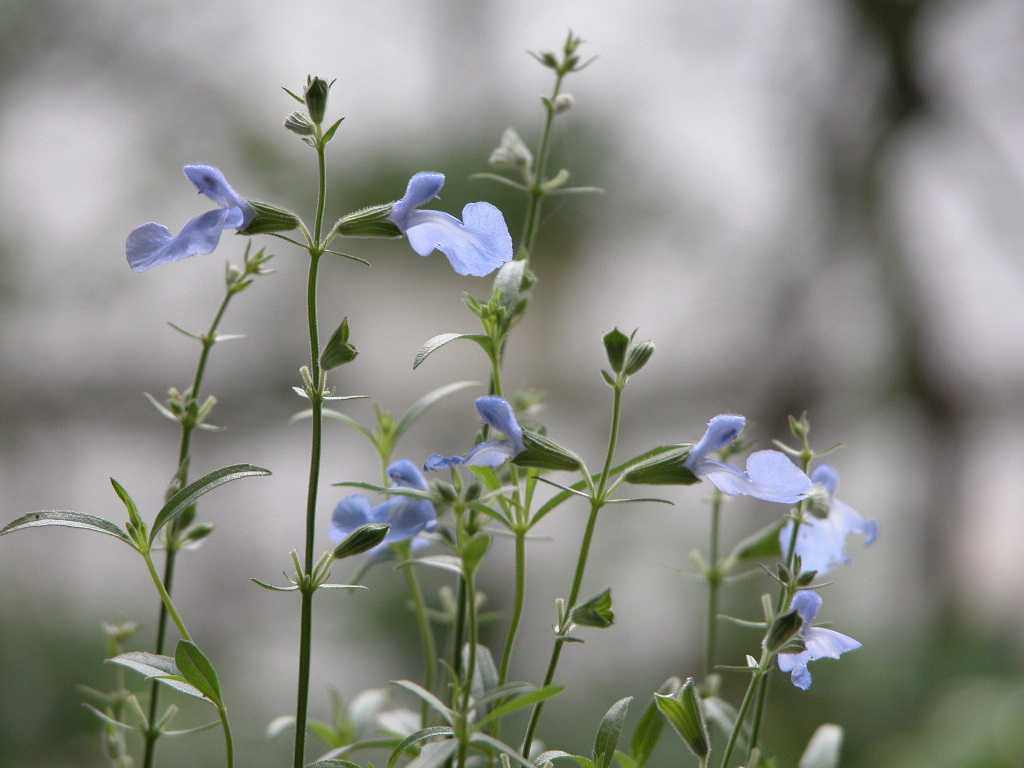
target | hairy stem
[
  {"x": 741, "y": 716},
  {"x": 714, "y": 582}
]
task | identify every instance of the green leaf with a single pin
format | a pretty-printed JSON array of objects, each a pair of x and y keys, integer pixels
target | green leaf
[
  {"x": 196, "y": 729},
  {"x": 431, "y": 700},
  {"x": 474, "y": 551},
  {"x": 609, "y": 731},
  {"x": 196, "y": 668},
  {"x": 273, "y": 587},
  {"x": 68, "y": 519},
  {"x": 329, "y": 133},
  {"x": 557, "y": 754},
  {"x": 520, "y": 702},
  {"x": 485, "y": 673},
  {"x": 434, "y": 754},
  {"x": 684, "y": 714},
  {"x": 362, "y": 539},
  {"x": 187, "y": 496},
  {"x": 542, "y": 453},
  {"x": 508, "y": 284},
  {"x": 128, "y": 501},
  {"x": 108, "y": 719},
  {"x": 666, "y": 469},
  {"x": 428, "y": 401},
  {"x": 392, "y": 490},
  {"x": 162, "y": 409},
  {"x": 436, "y": 342},
  {"x": 615, "y": 345},
  {"x": 334, "y": 764},
  {"x": 338, "y": 351},
  {"x": 761, "y": 545},
  {"x": 415, "y": 738},
  {"x": 646, "y": 735},
  {"x": 595, "y": 612},
  {"x": 490, "y": 741},
  {"x": 823, "y": 748},
  {"x": 159, "y": 668},
  {"x": 624, "y": 760}
]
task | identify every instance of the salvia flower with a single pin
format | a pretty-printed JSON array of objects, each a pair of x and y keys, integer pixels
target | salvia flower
[
  {"x": 153, "y": 244},
  {"x": 476, "y": 246},
  {"x": 819, "y": 642},
  {"x": 821, "y": 542},
  {"x": 769, "y": 476},
  {"x": 499, "y": 415},
  {"x": 406, "y": 515}
]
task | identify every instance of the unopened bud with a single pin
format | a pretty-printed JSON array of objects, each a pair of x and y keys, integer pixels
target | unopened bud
[
  {"x": 297, "y": 122},
  {"x": 316, "y": 98},
  {"x": 563, "y": 103}
]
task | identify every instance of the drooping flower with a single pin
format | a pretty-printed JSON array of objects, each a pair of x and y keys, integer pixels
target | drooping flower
[
  {"x": 407, "y": 516},
  {"x": 769, "y": 476},
  {"x": 153, "y": 244},
  {"x": 476, "y": 246},
  {"x": 821, "y": 542},
  {"x": 499, "y": 415},
  {"x": 819, "y": 642}
]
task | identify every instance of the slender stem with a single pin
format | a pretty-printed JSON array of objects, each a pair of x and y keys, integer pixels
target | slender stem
[
  {"x": 785, "y": 595},
  {"x": 531, "y": 223},
  {"x": 184, "y": 447},
  {"x": 581, "y": 562},
  {"x": 740, "y": 717},
  {"x": 714, "y": 578},
  {"x": 517, "y": 608},
  {"x": 467, "y": 685},
  {"x": 426, "y": 637},
  {"x": 460, "y": 628},
  {"x": 316, "y": 400},
  {"x": 229, "y": 745},
  {"x": 165, "y": 597}
]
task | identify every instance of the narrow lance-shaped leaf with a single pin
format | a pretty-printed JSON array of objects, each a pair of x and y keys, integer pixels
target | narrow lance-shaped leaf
[
  {"x": 648, "y": 730},
  {"x": 412, "y": 739},
  {"x": 66, "y": 518},
  {"x": 160, "y": 668},
  {"x": 520, "y": 702},
  {"x": 427, "y": 402},
  {"x": 609, "y": 731},
  {"x": 196, "y": 668},
  {"x": 434, "y": 343},
  {"x": 187, "y": 496}
]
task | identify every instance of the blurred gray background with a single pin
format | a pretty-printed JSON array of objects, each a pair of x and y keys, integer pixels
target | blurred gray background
[{"x": 809, "y": 206}]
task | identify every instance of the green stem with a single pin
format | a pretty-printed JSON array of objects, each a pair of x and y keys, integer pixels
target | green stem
[
  {"x": 740, "y": 717},
  {"x": 785, "y": 595},
  {"x": 165, "y": 597},
  {"x": 316, "y": 400},
  {"x": 229, "y": 745},
  {"x": 714, "y": 582},
  {"x": 531, "y": 223},
  {"x": 467, "y": 685},
  {"x": 184, "y": 447},
  {"x": 426, "y": 637},
  {"x": 517, "y": 608},
  {"x": 581, "y": 563}
]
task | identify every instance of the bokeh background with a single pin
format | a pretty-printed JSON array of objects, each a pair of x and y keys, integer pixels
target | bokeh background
[{"x": 809, "y": 206}]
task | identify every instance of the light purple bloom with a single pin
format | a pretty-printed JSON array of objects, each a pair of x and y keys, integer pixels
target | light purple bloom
[
  {"x": 153, "y": 244},
  {"x": 476, "y": 246},
  {"x": 499, "y": 415},
  {"x": 821, "y": 542},
  {"x": 406, "y": 515},
  {"x": 819, "y": 643},
  {"x": 770, "y": 475}
]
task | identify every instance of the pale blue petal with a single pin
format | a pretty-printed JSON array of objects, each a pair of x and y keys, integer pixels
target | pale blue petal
[
  {"x": 351, "y": 513},
  {"x": 405, "y": 474},
  {"x": 212, "y": 183},
  {"x": 721, "y": 431},
  {"x": 408, "y": 517},
  {"x": 796, "y": 664},
  {"x": 475, "y": 247},
  {"x": 826, "y": 475},
  {"x": 770, "y": 476},
  {"x": 151, "y": 244},
  {"x": 423, "y": 187},
  {"x": 819, "y": 543},
  {"x": 490, "y": 453},
  {"x": 807, "y": 603},
  {"x": 437, "y": 461},
  {"x": 822, "y": 643},
  {"x": 500, "y": 415},
  {"x": 852, "y": 522}
]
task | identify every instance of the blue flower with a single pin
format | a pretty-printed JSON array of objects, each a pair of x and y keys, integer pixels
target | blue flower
[
  {"x": 821, "y": 542},
  {"x": 153, "y": 244},
  {"x": 499, "y": 415},
  {"x": 819, "y": 643},
  {"x": 477, "y": 245},
  {"x": 770, "y": 475},
  {"x": 406, "y": 515}
]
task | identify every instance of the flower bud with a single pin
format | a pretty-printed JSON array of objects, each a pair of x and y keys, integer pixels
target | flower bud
[
  {"x": 268, "y": 218},
  {"x": 445, "y": 491},
  {"x": 615, "y": 345},
  {"x": 296, "y": 122},
  {"x": 316, "y": 98},
  {"x": 511, "y": 153},
  {"x": 806, "y": 578},
  {"x": 667, "y": 468},
  {"x": 361, "y": 539},
  {"x": 638, "y": 357},
  {"x": 819, "y": 502},
  {"x": 595, "y": 612},
  {"x": 563, "y": 103}
]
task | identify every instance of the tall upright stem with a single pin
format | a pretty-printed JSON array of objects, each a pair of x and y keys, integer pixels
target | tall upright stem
[
  {"x": 316, "y": 400},
  {"x": 530, "y": 224},
  {"x": 517, "y": 608},
  {"x": 741, "y": 716},
  {"x": 714, "y": 582},
  {"x": 426, "y": 637},
  {"x": 184, "y": 447},
  {"x": 581, "y": 563},
  {"x": 467, "y": 686}
]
